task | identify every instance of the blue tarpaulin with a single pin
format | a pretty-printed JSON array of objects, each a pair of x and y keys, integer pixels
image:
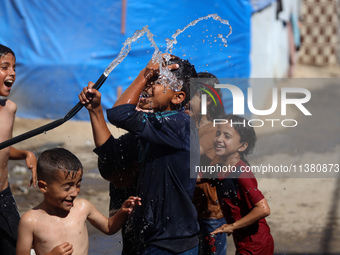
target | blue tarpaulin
[{"x": 61, "y": 45}]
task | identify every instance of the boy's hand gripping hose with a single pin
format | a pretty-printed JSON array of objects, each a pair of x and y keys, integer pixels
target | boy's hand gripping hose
[
  {"x": 52, "y": 124},
  {"x": 122, "y": 54}
]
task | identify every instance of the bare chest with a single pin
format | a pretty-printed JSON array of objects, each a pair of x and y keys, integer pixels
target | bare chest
[{"x": 55, "y": 231}]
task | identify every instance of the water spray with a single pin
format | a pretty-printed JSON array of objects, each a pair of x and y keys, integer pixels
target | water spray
[
  {"x": 122, "y": 54},
  {"x": 157, "y": 57}
]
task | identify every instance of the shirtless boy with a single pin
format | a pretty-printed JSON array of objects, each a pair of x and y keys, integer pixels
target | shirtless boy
[
  {"x": 58, "y": 224},
  {"x": 9, "y": 215}
]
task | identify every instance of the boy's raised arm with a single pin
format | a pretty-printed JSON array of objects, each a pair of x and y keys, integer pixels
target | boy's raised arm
[
  {"x": 31, "y": 162},
  {"x": 113, "y": 224},
  {"x": 132, "y": 93},
  {"x": 117, "y": 221},
  {"x": 91, "y": 98}
]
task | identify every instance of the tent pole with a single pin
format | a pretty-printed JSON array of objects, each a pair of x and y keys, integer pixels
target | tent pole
[{"x": 122, "y": 29}]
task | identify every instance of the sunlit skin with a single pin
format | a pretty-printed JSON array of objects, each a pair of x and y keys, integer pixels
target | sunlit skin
[
  {"x": 156, "y": 96},
  {"x": 60, "y": 193},
  {"x": 58, "y": 224},
  {"x": 228, "y": 146},
  {"x": 260, "y": 210},
  {"x": 7, "y": 73},
  {"x": 151, "y": 92},
  {"x": 91, "y": 98},
  {"x": 7, "y": 115}
]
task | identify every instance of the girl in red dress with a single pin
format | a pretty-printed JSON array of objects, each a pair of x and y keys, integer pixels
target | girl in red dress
[{"x": 242, "y": 203}]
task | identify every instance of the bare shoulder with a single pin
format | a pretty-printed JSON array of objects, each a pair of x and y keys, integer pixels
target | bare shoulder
[
  {"x": 82, "y": 204},
  {"x": 82, "y": 208},
  {"x": 31, "y": 217},
  {"x": 7, "y": 115},
  {"x": 81, "y": 201},
  {"x": 8, "y": 105}
]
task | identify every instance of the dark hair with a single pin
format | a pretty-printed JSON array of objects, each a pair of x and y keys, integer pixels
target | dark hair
[
  {"x": 246, "y": 132},
  {"x": 184, "y": 73},
  {"x": 57, "y": 159},
  {"x": 214, "y": 111},
  {"x": 5, "y": 50}
]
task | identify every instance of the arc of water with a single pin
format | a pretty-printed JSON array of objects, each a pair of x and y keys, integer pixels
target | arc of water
[
  {"x": 174, "y": 85},
  {"x": 127, "y": 47},
  {"x": 170, "y": 43},
  {"x": 122, "y": 54}
]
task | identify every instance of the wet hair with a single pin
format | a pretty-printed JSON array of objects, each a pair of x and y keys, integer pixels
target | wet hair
[
  {"x": 5, "y": 50},
  {"x": 57, "y": 159},
  {"x": 185, "y": 72},
  {"x": 214, "y": 111},
  {"x": 246, "y": 132}
]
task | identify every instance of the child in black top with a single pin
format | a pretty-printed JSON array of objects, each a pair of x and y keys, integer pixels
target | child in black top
[{"x": 167, "y": 219}]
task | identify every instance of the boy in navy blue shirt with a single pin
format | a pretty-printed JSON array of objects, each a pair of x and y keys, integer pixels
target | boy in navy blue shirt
[{"x": 167, "y": 220}]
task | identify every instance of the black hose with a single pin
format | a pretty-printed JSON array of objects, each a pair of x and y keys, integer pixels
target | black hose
[{"x": 52, "y": 124}]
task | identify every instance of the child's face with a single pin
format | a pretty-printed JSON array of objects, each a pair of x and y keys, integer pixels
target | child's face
[
  {"x": 7, "y": 73},
  {"x": 195, "y": 105},
  {"x": 155, "y": 96},
  {"x": 61, "y": 192},
  {"x": 227, "y": 141}
]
